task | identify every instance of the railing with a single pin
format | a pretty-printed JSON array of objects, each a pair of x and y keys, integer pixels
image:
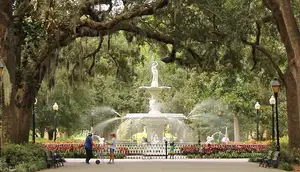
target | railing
[{"x": 137, "y": 151}]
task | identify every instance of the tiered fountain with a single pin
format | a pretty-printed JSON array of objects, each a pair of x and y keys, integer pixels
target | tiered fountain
[
  {"x": 155, "y": 121},
  {"x": 154, "y": 124}
]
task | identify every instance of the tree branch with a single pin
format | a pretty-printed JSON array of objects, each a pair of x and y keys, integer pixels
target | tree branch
[
  {"x": 105, "y": 25},
  {"x": 257, "y": 42},
  {"x": 96, "y": 50},
  {"x": 268, "y": 55}
]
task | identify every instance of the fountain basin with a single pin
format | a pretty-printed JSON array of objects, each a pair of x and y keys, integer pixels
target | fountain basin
[{"x": 154, "y": 115}]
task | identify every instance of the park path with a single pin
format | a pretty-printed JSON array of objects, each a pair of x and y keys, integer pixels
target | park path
[{"x": 163, "y": 166}]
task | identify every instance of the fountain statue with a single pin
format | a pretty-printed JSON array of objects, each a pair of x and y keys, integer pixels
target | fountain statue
[{"x": 154, "y": 71}]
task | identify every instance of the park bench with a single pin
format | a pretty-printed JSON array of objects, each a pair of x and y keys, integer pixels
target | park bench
[
  {"x": 266, "y": 159},
  {"x": 53, "y": 159},
  {"x": 275, "y": 159},
  {"x": 272, "y": 159}
]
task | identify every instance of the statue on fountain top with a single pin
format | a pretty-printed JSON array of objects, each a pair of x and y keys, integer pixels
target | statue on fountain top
[{"x": 154, "y": 74}]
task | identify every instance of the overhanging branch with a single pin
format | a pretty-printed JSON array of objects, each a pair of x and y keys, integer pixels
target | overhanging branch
[
  {"x": 105, "y": 25},
  {"x": 268, "y": 55}
]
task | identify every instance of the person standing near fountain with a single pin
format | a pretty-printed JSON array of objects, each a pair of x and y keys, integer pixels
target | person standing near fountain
[
  {"x": 88, "y": 145},
  {"x": 112, "y": 148},
  {"x": 172, "y": 148}
]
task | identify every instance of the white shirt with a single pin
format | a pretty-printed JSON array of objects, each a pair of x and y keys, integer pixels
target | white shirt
[
  {"x": 101, "y": 141},
  {"x": 113, "y": 143}
]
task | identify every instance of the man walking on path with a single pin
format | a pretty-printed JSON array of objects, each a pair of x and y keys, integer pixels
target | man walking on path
[{"x": 88, "y": 145}]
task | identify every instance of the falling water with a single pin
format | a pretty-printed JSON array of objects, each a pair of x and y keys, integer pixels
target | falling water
[
  {"x": 100, "y": 127},
  {"x": 103, "y": 110}
]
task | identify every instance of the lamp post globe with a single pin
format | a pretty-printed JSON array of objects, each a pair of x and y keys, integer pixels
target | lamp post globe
[
  {"x": 272, "y": 100},
  {"x": 257, "y": 107},
  {"x": 275, "y": 86},
  {"x": 55, "y": 108}
]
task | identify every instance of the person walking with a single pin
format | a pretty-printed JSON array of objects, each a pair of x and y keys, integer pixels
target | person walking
[
  {"x": 88, "y": 145},
  {"x": 112, "y": 148}
]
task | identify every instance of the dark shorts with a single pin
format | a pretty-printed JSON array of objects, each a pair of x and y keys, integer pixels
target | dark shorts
[{"x": 111, "y": 150}]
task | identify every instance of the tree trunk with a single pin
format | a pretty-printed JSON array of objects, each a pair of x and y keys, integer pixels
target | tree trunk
[
  {"x": 50, "y": 134},
  {"x": 290, "y": 35},
  {"x": 293, "y": 104},
  {"x": 42, "y": 131},
  {"x": 236, "y": 129}
]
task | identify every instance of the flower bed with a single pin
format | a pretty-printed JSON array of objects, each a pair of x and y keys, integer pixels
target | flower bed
[
  {"x": 76, "y": 150},
  {"x": 216, "y": 148}
]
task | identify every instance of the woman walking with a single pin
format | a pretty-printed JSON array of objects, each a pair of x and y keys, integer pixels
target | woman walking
[{"x": 112, "y": 148}]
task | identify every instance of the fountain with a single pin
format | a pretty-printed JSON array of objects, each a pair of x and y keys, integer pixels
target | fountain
[
  {"x": 155, "y": 121},
  {"x": 153, "y": 126}
]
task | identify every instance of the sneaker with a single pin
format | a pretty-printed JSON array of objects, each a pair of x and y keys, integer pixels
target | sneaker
[
  {"x": 109, "y": 162},
  {"x": 87, "y": 163}
]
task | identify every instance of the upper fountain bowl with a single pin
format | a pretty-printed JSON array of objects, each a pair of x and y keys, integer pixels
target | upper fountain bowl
[{"x": 154, "y": 88}]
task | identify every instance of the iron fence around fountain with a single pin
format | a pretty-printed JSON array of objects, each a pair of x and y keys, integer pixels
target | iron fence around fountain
[{"x": 154, "y": 151}]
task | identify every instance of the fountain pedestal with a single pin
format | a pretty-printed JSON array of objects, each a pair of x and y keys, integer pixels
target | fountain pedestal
[{"x": 155, "y": 129}]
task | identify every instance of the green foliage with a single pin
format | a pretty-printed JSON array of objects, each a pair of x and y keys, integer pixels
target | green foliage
[
  {"x": 286, "y": 166},
  {"x": 222, "y": 70},
  {"x": 26, "y": 157}
]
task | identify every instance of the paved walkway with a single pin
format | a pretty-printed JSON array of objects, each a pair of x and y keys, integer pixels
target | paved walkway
[{"x": 161, "y": 165}]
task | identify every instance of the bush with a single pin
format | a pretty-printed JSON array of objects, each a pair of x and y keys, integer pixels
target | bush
[
  {"x": 26, "y": 157},
  {"x": 286, "y": 166}
]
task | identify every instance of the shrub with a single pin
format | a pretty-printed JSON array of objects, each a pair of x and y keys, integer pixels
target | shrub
[
  {"x": 286, "y": 166},
  {"x": 26, "y": 157}
]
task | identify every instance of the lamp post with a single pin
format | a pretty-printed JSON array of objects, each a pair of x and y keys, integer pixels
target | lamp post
[
  {"x": 1, "y": 73},
  {"x": 33, "y": 121},
  {"x": 272, "y": 102},
  {"x": 2, "y": 96},
  {"x": 257, "y": 107},
  {"x": 55, "y": 108},
  {"x": 131, "y": 131},
  {"x": 276, "y": 87},
  {"x": 220, "y": 113}
]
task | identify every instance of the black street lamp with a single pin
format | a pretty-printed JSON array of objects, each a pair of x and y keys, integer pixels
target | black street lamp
[
  {"x": 257, "y": 107},
  {"x": 33, "y": 121},
  {"x": 2, "y": 93},
  {"x": 276, "y": 87},
  {"x": 272, "y": 102},
  {"x": 55, "y": 108},
  {"x": 131, "y": 131},
  {"x": 220, "y": 114}
]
